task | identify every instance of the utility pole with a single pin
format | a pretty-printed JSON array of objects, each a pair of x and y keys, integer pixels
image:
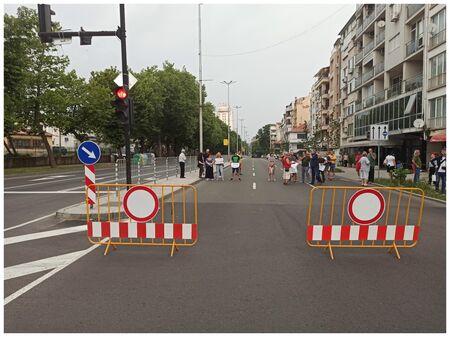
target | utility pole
[
  {"x": 242, "y": 127},
  {"x": 237, "y": 127},
  {"x": 200, "y": 89},
  {"x": 228, "y": 117}
]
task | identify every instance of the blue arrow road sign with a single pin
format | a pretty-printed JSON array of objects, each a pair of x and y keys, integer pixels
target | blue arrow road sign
[
  {"x": 385, "y": 133},
  {"x": 89, "y": 152}
]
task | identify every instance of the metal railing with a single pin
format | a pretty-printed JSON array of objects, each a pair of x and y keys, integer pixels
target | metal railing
[
  {"x": 436, "y": 122},
  {"x": 369, "y": 19},
  {"x": 413, "y": 9},
  {"x": 368, "y": 47},
  {"x": 379, "y": 68},
  {"x": 379, "y": 8},
  {"x": 359, "y": 56},
  {"x": 367, "y": 75},
  {"x": 358, "y": 81},
  {"x": 437, "y": 39},
  {"x": 414, "y": 83},
  {"x": 414, "y": 45},
  {"x": 437, "y": 81},
  {"x": 359, "y": 29},
  {"x": 380, "y": 37},
  {"x": 394, "y": 90}
]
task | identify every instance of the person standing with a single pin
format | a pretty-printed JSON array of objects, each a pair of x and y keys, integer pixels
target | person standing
[
  {"x": 372, "y": 159},
  {"x": 314, "y": 164},
  {"x": 235, "y": 163},
  {"x": 432, "y": 169},
  {"x": 286, "y": 167},
  {"x": 209, "y": 164},
  {"x": 365, "y": 168},
  {"x": 271, "y": 167},
  {"x": 357, "y": 163},
  {"x": 322, "y": 168},
  {"x": 200, "y": 164},
  {"x": 416, "y": 165},
  {"x": 219, "y": 166},
  {"x": 345, "y": 159},
  {"x": 389, "y": 161},
  {"x": 331, "y": 165},
  {"x": 182, "y": 162},
  {"x": 305, "y": 166},
  {"x": 440, "y": 170}
]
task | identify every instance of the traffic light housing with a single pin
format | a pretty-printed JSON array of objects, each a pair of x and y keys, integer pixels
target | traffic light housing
[
  {"x": 45, "y": 22},
  {"x": 121, "y": 103}
]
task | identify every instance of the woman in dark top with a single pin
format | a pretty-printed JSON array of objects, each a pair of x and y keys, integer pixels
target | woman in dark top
[{"x": 209, "y": 163}]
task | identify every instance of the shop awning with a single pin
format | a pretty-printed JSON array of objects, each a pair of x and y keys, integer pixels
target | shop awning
[{"x": 438, "y": 138}]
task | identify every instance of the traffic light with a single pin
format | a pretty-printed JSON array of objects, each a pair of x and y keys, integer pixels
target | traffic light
[
  {"x": 121, "y": 103},
  {"x": 45, "y": 22}
]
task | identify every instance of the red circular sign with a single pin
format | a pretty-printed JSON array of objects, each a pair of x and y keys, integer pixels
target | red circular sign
[
  {"x": 366, "y": 206},
  {"x": 141, "y": 203}
]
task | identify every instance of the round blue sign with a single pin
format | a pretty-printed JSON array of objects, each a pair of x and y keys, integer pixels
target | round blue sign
[
  {"x": 385, "y": 133},
  {"x": 89, "y": 152}
]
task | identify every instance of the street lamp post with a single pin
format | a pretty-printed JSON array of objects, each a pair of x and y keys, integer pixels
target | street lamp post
[
  {"x": 228, "y": 83},
  {"x": 237, "y": 127},
  {"x": 200, "y": 86}
]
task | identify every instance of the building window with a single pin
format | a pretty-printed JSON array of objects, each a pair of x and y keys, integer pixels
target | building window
[
  {"x": 350, "y": 130},
  {"x": 438, "y": 65},
  {"x": 438, "y": 22},
  {"x": 417, "y": 30},
  {"x": 394, "y": 43},
  {"x": 437, "y": 107}
]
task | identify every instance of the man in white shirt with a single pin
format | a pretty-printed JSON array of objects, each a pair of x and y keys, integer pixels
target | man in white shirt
[
  {"x": 441, "y": 171},
  {"x": 389, "y": 161},
  {"x": 182, "y": 161}
]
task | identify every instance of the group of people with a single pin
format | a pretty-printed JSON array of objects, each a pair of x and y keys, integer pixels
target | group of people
[
  {"x": 312, "y": 165},
  {"x": 437, "y": 170},
  {"x": 365, "y": 166},
  {"x": 206, "y": 162}
]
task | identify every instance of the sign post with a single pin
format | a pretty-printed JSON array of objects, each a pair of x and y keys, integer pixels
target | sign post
[
  {"x": 379, "y": 132},
  {"x": 89, "y": 153}
]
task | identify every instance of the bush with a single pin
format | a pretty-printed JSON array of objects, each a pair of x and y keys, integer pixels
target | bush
[{"x": 399, "y": 175}]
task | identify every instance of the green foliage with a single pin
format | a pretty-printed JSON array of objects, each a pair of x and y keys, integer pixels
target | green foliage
[
  {"x": 428, "y": 190},
  {"x": 262, "y": 144},
  {"x": 399, "y": 175}
]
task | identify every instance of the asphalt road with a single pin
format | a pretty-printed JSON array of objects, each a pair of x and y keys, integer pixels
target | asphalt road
[{"x": 251, "y": 271}]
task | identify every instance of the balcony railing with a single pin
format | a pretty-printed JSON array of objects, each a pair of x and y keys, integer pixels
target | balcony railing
[
  {"x": 367, "y": 75},
  {"x": 358, "y": 81},
  {"x": 394, "y": 90},
  {"x": 437, "y": 39},
  {"x": 379, "y": 8},
  {"x": 414, "y": 83},
  {"x": 359, "y": 56},
  {"x": 437, "y": 81},
  {"x": 413, "y": 9},
  {"x": 369, "y": 19},
  {"x": 414, "y": 45},
  {"x": 436, "y": 122},
  {"x": 368, "y": 48},
  {"x": 380, "y": 37},
  {"x": 358, "y": 106},
  {"x": 359, "y": 30},
  {"x": 379, "y": 68}
]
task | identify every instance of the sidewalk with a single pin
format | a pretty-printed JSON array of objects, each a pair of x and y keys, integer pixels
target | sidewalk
[
  {"x": 78, "y": 212},
  {"x": 350, "y": 173}
]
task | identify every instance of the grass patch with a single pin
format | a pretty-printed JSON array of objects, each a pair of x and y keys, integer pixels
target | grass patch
[
  {"x": 48, "y": 169},
  {"x": 338, "y": 170},
  {"x": 423, "y": 185}
]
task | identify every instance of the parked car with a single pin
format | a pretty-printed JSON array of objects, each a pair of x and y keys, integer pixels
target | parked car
[{"x": 59, "y": 150}]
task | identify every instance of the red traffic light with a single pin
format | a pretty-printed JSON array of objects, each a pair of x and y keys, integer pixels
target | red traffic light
[{"x": 121, "y": 93}]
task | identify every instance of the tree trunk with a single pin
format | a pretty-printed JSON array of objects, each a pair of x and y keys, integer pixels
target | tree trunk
[
  {"x": 7, "y": 147},
  {"x": 51, "y": 157},
  {"x": 11, "y": 143}
]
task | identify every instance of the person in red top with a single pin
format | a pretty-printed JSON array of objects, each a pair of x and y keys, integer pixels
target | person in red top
[
  {"x": 357, "y": 163},
  {"x": 286, "y": 166}
]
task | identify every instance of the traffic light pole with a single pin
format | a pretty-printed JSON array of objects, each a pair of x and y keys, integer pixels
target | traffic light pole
[{"x": 127, "y": 124}]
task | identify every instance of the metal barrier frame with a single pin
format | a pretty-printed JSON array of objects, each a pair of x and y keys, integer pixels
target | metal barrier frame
[
  {"x": 139, "y": 241},
  {"x": 417, "y": 192}
]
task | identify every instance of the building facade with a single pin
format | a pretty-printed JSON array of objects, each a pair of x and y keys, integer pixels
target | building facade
[
  {"x": 320, "y": 110},
  {"x": 223, "y": 112}
]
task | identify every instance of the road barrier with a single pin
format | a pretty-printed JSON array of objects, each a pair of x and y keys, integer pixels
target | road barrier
[
  {"x": 143, "y": 215},
  {"x": 362, "y": 217}
]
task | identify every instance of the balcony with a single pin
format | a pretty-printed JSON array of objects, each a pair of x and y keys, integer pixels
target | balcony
[
  {"x": 358, "y": 81},
  {"x": 358, "y": 106},
  {"x": 414, "y": 83},
  {"x": 380, "y": 37},
  {"x": 436, "y": 122},
  {"x": 368, "y": 20},
  {"x": 367, "y": 75},
  {"x": 368, "y": 48},
  {"x": 394, "y": 90},
  {"x": 437, "y": 39},
  {"x": 413, "y": 9},
  {"x": 358, "y": 57},
  {"x": 437, "y": 81},
  {"x": 359, "y": 30},
  {"x": 414, "y": 45},
  {"x": 379, "y": 8},
  {"x": 378, "y": 68}
]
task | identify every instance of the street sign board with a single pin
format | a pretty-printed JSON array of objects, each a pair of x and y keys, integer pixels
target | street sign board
[
  {"x": 89, "y": 152},
  {"x": 379, "y": 131},
  {"x": 131, "y": 80},
  {"x": 141, "y": 203},
  {"x": 225, "y": 142},
  {"x": 366, "y": 206}
]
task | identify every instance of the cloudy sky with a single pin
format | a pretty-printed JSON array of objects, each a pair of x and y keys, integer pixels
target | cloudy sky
[{"x": 279, "y": 47}]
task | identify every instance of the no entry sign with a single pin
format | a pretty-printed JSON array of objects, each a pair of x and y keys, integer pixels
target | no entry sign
[
  {"x": 366, "y": 206},
  {"x": 141, "y": 203}
]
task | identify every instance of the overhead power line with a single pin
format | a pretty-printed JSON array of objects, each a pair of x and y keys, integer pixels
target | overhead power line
[{"x": 282, "y": 41}]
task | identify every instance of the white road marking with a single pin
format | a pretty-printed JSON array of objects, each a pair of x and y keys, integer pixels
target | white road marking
[
  {"x": 41, "y": 235},
  {"x": 50, "y": 182},
  {"x": 31, "y": 221},
  {"x": 254, "y": 186},
  {"x": 41, "y": 279},
  {"x": 53, "y": 177},
  {"x": 253, "y": 173}
]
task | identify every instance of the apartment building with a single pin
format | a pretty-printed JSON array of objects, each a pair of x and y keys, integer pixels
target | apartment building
[
  {"x": 334, "y": 95},
  {"x": 393, "y": 72},
  {"x": 301, "y": 114},
  {"x": 222, "y": 113},
  {"x": 319, "y": 109}
]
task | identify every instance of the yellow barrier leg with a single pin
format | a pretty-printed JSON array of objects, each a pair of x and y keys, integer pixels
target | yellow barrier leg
[
  {"x": 173, "y": 248},
  {"x": 331, "y": 250},
  {"x": 394, "y": 246},
  {"x": 107, "y": 247}
]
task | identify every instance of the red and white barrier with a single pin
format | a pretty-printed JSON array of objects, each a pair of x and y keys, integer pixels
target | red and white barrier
[
  {"x": 359, "y": 233},
  {"x": 89, "y": 178},
  {"x": 142, "y": 230}
]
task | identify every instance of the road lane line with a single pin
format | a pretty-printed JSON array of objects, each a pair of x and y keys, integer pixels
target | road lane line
[
  {"x": 253, "y": 173},
  {"x": 31, "y": 221},
  {"x": 41, "y": 279},
  {"x": 41, "y": 235},
  {"x": 254, "y": 185}
]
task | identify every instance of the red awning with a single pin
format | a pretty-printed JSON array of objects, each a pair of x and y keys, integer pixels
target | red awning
[{"x": 438, "y": 138}]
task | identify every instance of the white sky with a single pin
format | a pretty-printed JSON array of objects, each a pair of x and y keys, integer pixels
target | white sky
[{"x": 267, "y": 80}]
